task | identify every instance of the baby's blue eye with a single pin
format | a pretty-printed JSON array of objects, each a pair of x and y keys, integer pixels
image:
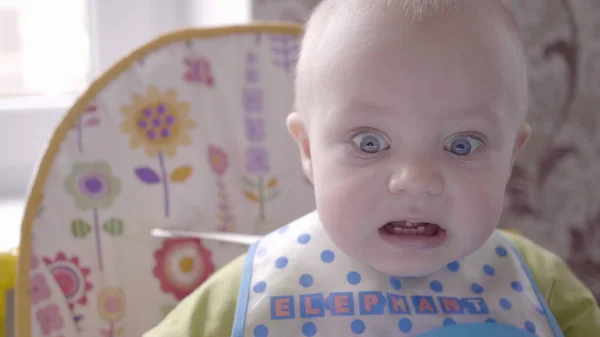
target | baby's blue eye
[
  {"x": 370, "y": 142},
  {"x": 464, "y": 145}
]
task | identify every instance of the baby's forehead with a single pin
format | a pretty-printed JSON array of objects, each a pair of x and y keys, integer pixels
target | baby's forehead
[
  {"x": 348, "y": 112},
  {"x": 333, "y": 18},
  {"x": 382, "y": 29},
  {"x": 336, "y": 21}
]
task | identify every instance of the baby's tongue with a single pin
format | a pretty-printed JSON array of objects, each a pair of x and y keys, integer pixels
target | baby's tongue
[{"x": 412, "y": 228}]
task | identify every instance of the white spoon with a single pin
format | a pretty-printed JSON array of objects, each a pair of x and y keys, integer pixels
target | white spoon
[{"x": 243, "y": 239}]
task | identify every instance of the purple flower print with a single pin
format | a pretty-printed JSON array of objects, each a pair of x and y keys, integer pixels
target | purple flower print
[
  {"x": 49, "y": 319},
  {"x": 255, "y": 129},
  {"x": 257, "y": 160},
  {"x": 253, "y": 100},
  {"x": 39, "y": 289},
  {"x": 285, "y": 50}
]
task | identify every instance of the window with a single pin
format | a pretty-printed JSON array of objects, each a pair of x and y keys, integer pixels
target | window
[
  {"x": 44, "y": 47},
  {"x": 50, "y": 50}
]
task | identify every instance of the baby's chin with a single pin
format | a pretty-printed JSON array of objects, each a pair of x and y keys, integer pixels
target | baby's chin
[
  {"x": 400, "y": 264},
  {"x": 413, "y": 263},
  {"x": 393, "y": 262}
]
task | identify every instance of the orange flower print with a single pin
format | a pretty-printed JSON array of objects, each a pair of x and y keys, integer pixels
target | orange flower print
[
  {"x": 111, "y": 308},
  {"x": 111, "y": 304},
  {"x": 219, "y": 164},
  {"x": 218, "y": 160}
]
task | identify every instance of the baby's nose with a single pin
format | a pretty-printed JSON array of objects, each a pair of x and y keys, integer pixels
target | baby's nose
[{"x": 416, "y": 178}]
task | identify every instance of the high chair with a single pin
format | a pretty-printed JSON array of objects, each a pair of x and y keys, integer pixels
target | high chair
[
  {"x": 8, "y": 266},
  {"x": 187, "y": 132}
]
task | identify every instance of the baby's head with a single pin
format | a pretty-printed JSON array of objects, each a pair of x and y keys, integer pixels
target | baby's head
[{"x": 409, "y": 116}]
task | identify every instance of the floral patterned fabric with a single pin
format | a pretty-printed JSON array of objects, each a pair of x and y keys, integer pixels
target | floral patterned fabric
[
  {"x": 554, "y": 195},
  {"x": 187, "y": 134}
]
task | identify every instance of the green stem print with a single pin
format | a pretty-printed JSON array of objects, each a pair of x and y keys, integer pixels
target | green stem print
[
  {"x": 93, "y": 188},
  {"x": 224, "y": 214},
  {"x": 81, "y": 229},
  {"x": 261, "y": 193},
  {"x": 98, "y": 243}
]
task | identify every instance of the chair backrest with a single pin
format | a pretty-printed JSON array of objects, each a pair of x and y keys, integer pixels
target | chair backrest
[{"x": 187, "y": 132}]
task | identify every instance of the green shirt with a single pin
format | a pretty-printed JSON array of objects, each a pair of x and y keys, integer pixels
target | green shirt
[{"x": 209, "y": 311}]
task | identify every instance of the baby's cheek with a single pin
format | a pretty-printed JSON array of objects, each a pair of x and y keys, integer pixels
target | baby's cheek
[
  {"x": 344, "y": 206},
  {"x": 482, "y": 205},
  {"x": 339, "y": 200},
  {"x": 340, "y": 186},
  {"x": 337, "y": 215}
]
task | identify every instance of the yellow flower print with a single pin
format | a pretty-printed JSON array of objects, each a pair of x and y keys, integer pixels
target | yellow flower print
[
  {"x": 157, "y": 121},
  {"x": 160, "y": 123},
  {"x": 111, "y": 304}
]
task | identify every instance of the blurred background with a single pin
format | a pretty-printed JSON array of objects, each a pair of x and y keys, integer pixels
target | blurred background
[{"x": 51, "y": 50}]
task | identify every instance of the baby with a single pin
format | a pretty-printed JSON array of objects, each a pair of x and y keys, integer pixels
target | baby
[{"x": 410, "y": 114}]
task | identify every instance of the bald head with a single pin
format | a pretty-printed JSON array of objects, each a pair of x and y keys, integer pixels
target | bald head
[
  {"x": 416, "y": 10},
  {"x": 384, "y": 21}
]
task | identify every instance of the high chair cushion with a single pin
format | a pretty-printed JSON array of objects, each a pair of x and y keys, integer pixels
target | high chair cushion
[{"x": 186, "y": 132}]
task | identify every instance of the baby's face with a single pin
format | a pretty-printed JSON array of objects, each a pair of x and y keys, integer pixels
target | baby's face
[{"x": 412, "y": 138}]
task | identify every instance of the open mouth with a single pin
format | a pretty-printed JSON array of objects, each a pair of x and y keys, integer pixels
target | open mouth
[
  {"x": 413, "y": 234},
  {"x": 412, "y": 228}
]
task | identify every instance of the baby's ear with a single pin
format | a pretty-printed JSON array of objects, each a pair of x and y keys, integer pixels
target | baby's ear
[
  {"x": 522, "y": 139},
  {"x": 297, "y": 129}
]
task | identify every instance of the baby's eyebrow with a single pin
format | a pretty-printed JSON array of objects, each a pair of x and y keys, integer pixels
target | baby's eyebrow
[
  {"x": 356, "y": 106},
  {"x": 483, "y": 112}
]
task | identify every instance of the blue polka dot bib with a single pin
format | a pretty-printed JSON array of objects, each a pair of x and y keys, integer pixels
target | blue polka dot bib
[{"x": 297, "y": 283}]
